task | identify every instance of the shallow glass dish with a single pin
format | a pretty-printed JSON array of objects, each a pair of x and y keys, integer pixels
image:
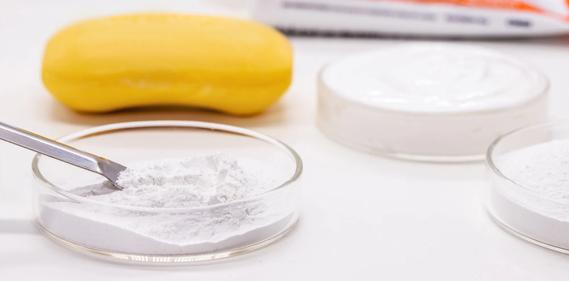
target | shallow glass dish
[
  {"x": 520, "y": 210},
  {"x": 129, "y": 233}
]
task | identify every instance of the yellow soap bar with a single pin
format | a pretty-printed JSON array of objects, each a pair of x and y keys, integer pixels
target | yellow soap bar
[{"x": 230, "y": 65}]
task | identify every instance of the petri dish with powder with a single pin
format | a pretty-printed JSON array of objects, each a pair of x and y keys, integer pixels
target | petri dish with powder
[
  {"x": 529, "y": 191},
  {"x": 194, "y": 192}
]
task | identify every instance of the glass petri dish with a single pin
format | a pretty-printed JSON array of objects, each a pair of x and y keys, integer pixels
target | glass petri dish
[
  {"x": 160, "y": 235},
  {"x": 522, "y": 211},
  {"x": 428, "y": 102}
]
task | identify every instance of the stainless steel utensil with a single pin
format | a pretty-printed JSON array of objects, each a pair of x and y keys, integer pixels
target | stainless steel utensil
[{"x": 96, "y": 164}]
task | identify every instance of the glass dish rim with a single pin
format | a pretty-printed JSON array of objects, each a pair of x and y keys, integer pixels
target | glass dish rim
[
  {"x": 491, "y": 163},
  {"x": 109, "y": 128}
]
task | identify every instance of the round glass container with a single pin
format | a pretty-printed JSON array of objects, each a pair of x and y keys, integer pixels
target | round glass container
[
  {"x": 433, "y": 102},
  {"x": 517, "y": 206},
  {"x": 152, "y": 235}
]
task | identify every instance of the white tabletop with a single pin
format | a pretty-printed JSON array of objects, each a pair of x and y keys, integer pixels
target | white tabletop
[{"x": 363, "y": 217}]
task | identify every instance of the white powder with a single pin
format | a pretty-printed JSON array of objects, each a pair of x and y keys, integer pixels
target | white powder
[
  {"x": 540, "y": 209},
  {"x": 189, "y": 182},
  {"x": 172, "y": 183},
  {"x": 542, "y": 168}
]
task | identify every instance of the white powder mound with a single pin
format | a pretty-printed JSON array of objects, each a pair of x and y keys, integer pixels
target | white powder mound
[
  {"x": 542, "y": 168},
  {"x": 172, "y": 183},
  {"x": 539, "y": 209},
  {"x": 187, "y": 182}
]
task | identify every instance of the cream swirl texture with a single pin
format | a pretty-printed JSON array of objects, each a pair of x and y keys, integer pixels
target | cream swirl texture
[{"x": 434, "y": 77}]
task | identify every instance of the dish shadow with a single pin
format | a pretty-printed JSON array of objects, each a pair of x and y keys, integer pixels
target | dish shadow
[{"x": 15, "y": 226}]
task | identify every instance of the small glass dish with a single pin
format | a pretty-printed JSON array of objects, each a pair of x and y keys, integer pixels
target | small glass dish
[
  {"x": 518, "y": 209},
  {"x": 167, "y": 236}
]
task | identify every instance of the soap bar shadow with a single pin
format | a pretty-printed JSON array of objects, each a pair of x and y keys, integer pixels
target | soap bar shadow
[{"x": 274, "y": 115}]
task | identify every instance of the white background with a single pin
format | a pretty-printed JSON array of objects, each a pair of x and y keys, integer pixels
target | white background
[{"x": 363, "y": 217}]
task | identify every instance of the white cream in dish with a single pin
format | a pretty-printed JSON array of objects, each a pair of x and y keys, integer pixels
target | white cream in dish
[{"x": 428, "y": 101}]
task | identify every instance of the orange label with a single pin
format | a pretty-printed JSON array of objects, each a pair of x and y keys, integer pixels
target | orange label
[{"x": 494, "y": 4}]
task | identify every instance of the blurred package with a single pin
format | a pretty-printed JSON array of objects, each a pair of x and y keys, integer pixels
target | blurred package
[{"x": 430, "y": 18}]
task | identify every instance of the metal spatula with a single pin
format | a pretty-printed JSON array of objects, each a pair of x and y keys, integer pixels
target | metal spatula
[{"x": 96, "y": 164}]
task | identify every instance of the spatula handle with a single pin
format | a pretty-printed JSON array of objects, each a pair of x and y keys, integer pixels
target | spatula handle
[{"x": 55, "y": 149}]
